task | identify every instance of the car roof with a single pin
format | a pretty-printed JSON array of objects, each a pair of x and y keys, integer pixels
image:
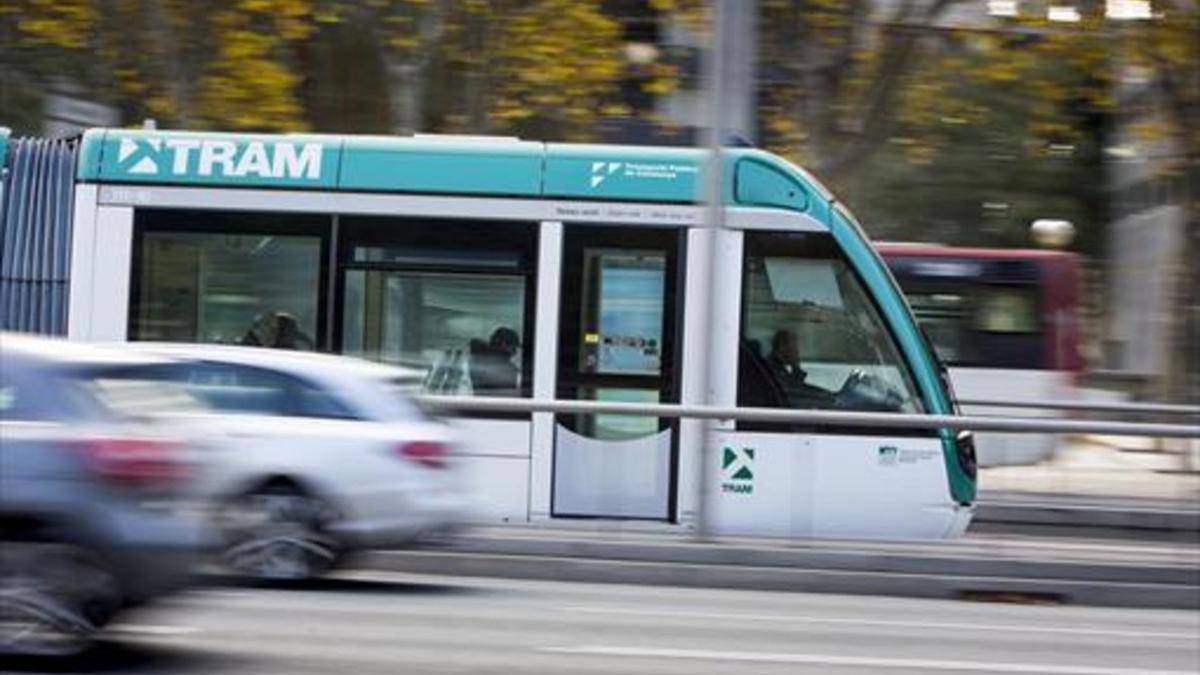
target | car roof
[
  {"x": 312, "y": 365},
  {"x": 59, "y": 352}
]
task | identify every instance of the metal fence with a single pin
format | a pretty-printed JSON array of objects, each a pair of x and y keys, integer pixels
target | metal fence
[
  {"x": 35, "y": 234},
  {"x": 1124, "y": 408}
]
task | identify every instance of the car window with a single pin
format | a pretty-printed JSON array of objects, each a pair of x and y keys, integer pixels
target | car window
[
  {"x": 15, "y": 400},
  {"x": 240, "y": 389},
  {"x": 134, "y": 394},
  {"x": 314, "y": 402},
  {"x": 38, "y": 395}
]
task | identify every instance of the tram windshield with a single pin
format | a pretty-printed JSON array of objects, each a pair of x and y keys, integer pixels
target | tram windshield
[{"x": 811, "y": 337}]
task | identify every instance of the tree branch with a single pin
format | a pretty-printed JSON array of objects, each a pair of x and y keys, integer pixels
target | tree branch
[{"x": 901, "y": 35}]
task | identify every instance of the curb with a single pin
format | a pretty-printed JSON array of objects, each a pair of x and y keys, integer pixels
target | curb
[
  {"x": 1028, "y": 570},
  {"x": 933, "y": 560},
  {"x": 1039, "y": 518},
  {"x": 743, "y": 577}
]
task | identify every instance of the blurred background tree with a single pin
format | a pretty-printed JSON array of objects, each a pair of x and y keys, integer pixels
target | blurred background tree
[
  {"x": 231, "y": 64},
  {"x": 900, "y": 103}
]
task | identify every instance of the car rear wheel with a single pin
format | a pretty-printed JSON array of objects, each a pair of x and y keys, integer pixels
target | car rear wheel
[
  {"x": 53, "y": 598},
  {"x": 278, "y": 532}
]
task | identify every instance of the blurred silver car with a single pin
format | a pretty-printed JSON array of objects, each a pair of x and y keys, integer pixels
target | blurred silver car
[
  {"x": 311, "y": 456},
  {"x": 90, "y": 517}
]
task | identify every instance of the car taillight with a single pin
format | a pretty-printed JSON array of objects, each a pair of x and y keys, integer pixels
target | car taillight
[
  {"x": 428, "y": 453},
  {"x": 134, "y": 462}
]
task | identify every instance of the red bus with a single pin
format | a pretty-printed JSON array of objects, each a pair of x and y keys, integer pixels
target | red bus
[{"x": 1007, "y": 324}]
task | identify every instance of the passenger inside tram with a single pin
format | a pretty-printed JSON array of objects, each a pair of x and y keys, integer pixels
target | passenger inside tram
[
  {"x": 491, "y": 364},
  {"x": 278, "y": 330}
]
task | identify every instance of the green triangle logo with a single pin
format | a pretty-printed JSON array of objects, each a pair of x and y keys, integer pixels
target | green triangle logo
[
  {"x": 744, "y": 473},
  {"x": 730, "y": 457}
]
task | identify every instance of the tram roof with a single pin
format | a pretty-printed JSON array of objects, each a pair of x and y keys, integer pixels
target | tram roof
[{"x": 467, "y": 165}]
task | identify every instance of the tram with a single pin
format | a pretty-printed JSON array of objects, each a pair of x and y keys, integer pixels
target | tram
[{"x": 504, "y": 267}]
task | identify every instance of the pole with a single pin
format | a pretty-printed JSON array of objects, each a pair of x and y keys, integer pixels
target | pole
[{"x": 715, "y": 71}]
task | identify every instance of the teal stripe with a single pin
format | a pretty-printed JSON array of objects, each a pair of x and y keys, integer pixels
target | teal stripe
[
  {"x": 5, "y": 135},
  {"x": 455, "y": 166},
  {"x": 898, "y": 314},
  {"x": 90, "y": 149}
]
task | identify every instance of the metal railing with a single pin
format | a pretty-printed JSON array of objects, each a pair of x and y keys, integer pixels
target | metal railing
[
  {"x": 817, "y": 418},
  {"x": 1131, "y": 408}
]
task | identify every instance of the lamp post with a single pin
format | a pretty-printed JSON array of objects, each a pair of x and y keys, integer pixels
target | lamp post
[{"x": 1052, "y": 233}]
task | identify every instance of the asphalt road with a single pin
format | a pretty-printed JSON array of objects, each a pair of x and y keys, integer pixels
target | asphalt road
[{"x": 378, "y": 623}]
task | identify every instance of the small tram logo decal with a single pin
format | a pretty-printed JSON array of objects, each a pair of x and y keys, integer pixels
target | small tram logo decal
[
  {"x": 641, "y": 171},
  {"x": 602, "y": 170},
  {"x": 737, "y": 470},
  {"x": 888, "y": 455}
]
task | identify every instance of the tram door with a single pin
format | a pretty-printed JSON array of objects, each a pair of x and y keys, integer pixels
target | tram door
[{"x": 620, "y": 302}]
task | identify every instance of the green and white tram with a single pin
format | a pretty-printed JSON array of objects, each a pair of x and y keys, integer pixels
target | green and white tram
[{"x": 500, "y": 267}]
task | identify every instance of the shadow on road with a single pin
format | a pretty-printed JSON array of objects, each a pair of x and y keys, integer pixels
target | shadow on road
[
  {"x": 111, "y": 655},
  {"x": 341, "y": 584}
]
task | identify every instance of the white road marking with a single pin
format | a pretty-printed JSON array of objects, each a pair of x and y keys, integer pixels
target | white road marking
[
  {"x": 867, "y": 661},
  {"x": 790, "y": 618}
]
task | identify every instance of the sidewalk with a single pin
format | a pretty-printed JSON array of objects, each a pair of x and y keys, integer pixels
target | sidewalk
[
  {"x": 1094, "y": 469},
  {"x": 1093, "y": 488}
]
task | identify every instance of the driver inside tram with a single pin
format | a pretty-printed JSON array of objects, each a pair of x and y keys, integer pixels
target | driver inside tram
[{"x": 784, "y": 365}]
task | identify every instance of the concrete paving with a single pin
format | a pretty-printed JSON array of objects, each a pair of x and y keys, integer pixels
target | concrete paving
[{"x": 386, "y": 624}]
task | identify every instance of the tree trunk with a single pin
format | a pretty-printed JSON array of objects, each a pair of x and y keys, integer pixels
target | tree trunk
[{"x": 406, "y": 92}]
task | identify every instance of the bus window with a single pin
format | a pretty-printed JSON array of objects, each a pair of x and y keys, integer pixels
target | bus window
[
  {"x": 946, "y": 319},
  {"x": 1007, "y": 310},
  {"x": 982, "y": 326},
  {"x": 811, "y": 337}
]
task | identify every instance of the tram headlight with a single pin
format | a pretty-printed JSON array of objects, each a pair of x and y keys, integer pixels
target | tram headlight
[{"x": 964, "y": 444}]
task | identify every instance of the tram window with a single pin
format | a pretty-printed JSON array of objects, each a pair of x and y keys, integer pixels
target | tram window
[
  {"x": 227, "y": 287},
  {"x": 812, "y": 338},
  {"x": 465, "y": 331},
  {"x": 449, "y": 299}
]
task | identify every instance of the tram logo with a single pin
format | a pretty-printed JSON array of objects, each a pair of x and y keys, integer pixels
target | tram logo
[
  {"x": 207, "y": 157},
  {"x": 602, "y": 170},
  {"x": 737, "y": 470},
  {"x": 888, "y": 454},
  {"x": 642, "y": 171}
]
